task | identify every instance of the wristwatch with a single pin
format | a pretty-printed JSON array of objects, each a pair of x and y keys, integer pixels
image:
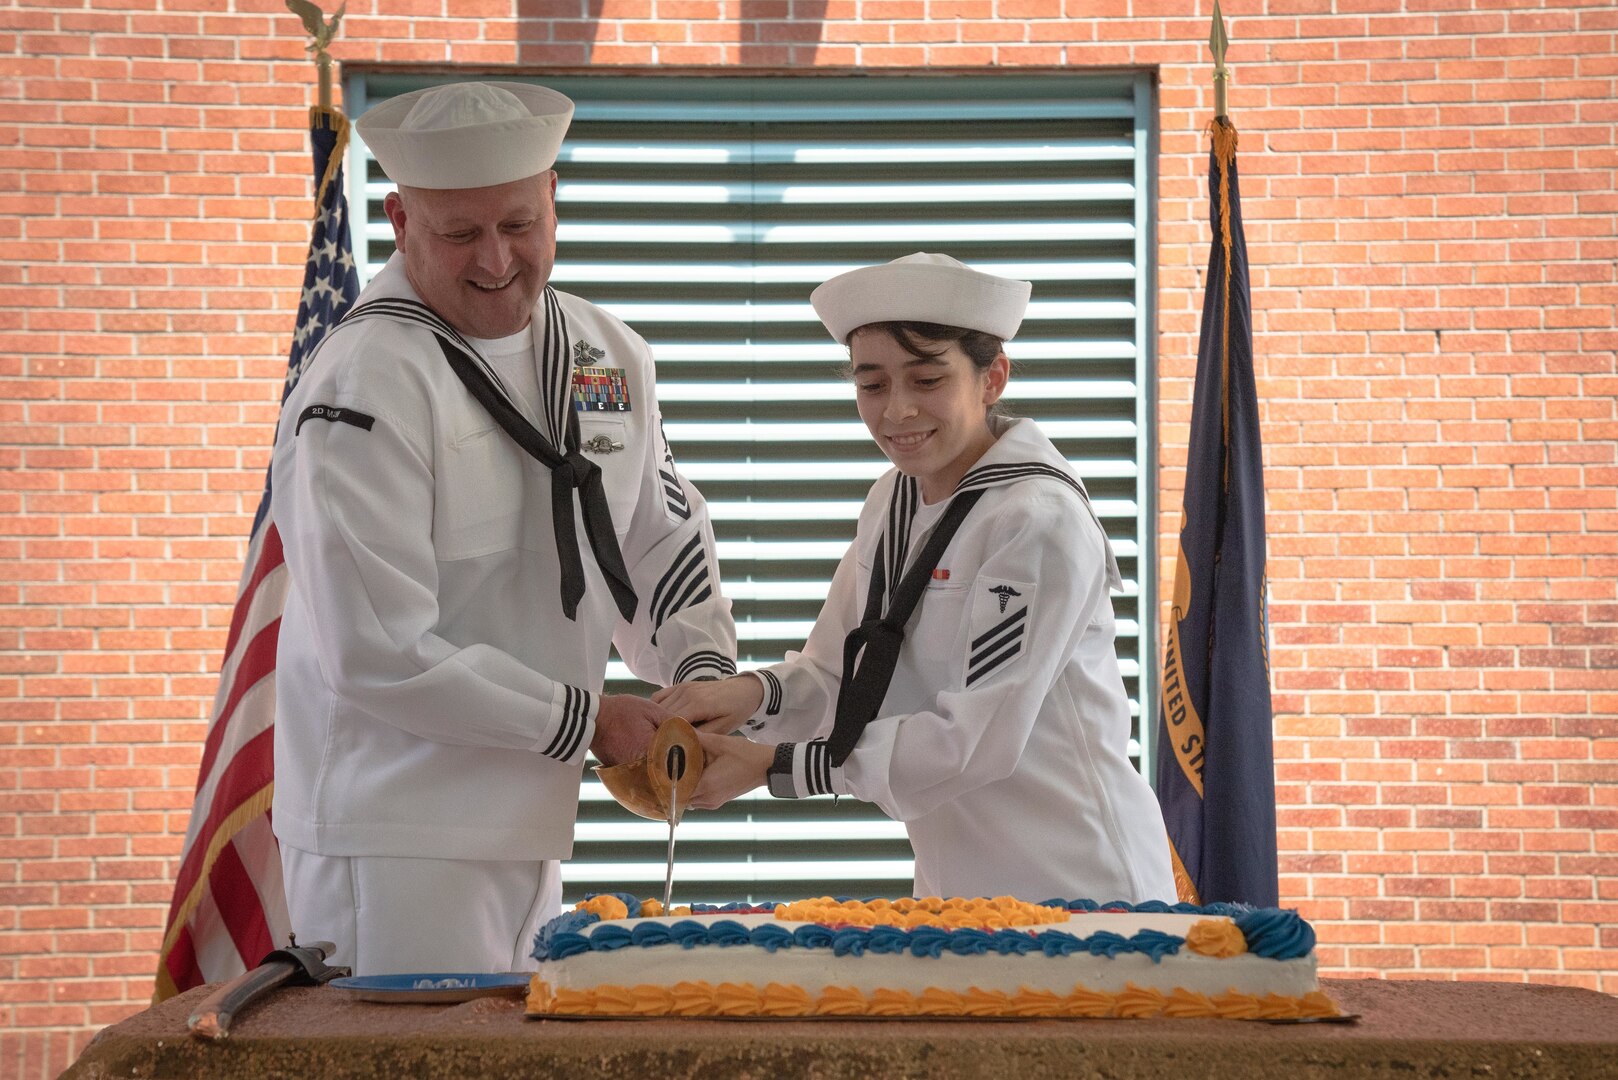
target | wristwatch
[{"x": 779, "y": 776}]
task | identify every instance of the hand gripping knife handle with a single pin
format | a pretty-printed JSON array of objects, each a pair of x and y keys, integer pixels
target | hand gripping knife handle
[{"x": 295, "y": 965}]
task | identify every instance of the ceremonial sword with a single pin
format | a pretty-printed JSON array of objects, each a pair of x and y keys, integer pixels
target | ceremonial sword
[{"x": 295, "y": 965}]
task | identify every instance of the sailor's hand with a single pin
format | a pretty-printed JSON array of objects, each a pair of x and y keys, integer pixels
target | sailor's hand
[
  {"x": 719, "y": 707},
  {"x": 734, "y": 766},
  {"x": 625, "y": 725}
]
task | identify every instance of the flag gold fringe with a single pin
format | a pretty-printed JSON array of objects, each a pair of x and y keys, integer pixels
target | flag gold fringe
[
  {"x": 253, "y": 806},
  {"x": 329, "y": 120},
  {"x": 1184, "y": 887}
]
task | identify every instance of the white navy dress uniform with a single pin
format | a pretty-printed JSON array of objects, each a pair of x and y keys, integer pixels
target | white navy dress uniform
[
  {"x": 1001, "y": 741},
  {"x": 436, "y": 697}
]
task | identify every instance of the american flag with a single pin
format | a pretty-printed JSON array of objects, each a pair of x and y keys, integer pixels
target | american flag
[{"x": 228, "y": 909}]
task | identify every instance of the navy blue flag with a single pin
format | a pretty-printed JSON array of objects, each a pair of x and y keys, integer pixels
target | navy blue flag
[
  {"x": 228, "y": 909},
  {"x": 1215, "y": 764}
]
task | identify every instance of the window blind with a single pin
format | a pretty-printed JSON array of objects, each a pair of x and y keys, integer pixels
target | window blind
[{"x": 702, "y": 211}]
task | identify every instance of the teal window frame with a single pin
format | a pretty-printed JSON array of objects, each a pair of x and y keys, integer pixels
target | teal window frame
[{"x": 1050, "y": 162}]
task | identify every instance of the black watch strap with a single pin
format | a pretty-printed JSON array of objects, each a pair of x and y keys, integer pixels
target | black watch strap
[{"x": 778, "y": 778}]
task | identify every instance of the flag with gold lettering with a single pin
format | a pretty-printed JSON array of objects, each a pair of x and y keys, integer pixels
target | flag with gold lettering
[{"x": 1215, "y": 758}]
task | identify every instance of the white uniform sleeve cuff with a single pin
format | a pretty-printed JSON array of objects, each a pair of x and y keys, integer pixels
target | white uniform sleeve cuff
[
  {"x": 770, "y": 705},
  {"x": 573, "y": 716},
  {"x": 703, "y": 666},
  {"x": 812, "y": 771}
]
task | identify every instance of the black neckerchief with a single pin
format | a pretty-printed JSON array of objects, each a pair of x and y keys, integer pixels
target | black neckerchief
[
  {"x": 569, "y": 472},
  {"x": 871, "y": 650}
]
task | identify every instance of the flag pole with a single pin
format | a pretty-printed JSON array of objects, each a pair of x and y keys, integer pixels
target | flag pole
[
  {"x": 1216, "y": 782},
  {"x": 322, "y": 32},
  {"x": 323, "y": 65}
]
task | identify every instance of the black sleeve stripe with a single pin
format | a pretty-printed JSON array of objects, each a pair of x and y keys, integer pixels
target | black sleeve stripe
[
  {"x": 561, "y": 728},
  {"x": 692, "y": 595},
  {"x": 686, "y": 583},
  {"x": 689, "y": 556},
  {"x": 772, "y": 696},
  {"x": 674, "y": 496},
  {"x": 994, "y": 646},
  {"x": 692, "y": 670},
  {"x": 673, "y": 493},
  {"x": 689, "y": 566},
  {"x": 816, "y": 768},
  {"x": 707, "y": 660},
  {"x": 985, "y": 668},
  {"x": 580, "y": 722},
  {"x": 686, "y": 599},
  {"x": 575, "y": 710},
  {"x": 1016, "y": 616}
]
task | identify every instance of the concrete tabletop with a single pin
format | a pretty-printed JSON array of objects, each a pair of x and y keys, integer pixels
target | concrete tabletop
[{"x": 1410, "y": 1030}]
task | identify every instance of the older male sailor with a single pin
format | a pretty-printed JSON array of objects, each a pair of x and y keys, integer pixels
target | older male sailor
[{"x": 476, "y": 501}]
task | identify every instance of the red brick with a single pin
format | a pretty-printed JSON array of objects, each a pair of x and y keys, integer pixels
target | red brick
[{"x": 1422, "y": 237}]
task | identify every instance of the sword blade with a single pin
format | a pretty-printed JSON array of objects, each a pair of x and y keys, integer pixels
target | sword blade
[
  {"x": 213, "y": 1017},
  {"x": 668, "y": 873}
]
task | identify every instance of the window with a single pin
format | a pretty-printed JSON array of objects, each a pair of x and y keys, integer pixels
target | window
[{"x": 702, "y": 211}]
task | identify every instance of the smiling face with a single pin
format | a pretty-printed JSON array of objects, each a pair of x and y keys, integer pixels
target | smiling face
[
  {"x": 480, "y": 257},
  {"x": 930, "y": 415}
]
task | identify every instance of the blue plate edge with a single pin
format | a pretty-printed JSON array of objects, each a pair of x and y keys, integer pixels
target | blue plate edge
[{"x": 397, "y": 984}]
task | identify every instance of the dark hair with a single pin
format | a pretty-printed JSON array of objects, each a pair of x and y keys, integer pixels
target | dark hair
[{"x": 914, "y": 337}]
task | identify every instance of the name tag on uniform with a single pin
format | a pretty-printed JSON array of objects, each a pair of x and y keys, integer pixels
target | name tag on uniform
[{"x": 600, "y": 390}]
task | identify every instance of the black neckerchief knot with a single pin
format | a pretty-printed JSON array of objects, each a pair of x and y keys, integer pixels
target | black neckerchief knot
[{"x": 574, "y": 471}]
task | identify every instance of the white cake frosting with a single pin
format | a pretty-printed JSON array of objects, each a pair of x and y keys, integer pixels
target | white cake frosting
[{"x": 1113, "y": 962}]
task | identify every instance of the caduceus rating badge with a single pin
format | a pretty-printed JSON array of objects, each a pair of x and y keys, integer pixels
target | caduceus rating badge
[{"x": 1005, "y": 593}]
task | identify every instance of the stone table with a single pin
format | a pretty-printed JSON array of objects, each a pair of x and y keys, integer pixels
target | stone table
[{"x": 1409, "y": 1030}]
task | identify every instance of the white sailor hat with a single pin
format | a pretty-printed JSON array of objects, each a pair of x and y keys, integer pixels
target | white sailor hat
[
  {"x": 922, "y": 288},
  {"x": 467, "y": 135}
]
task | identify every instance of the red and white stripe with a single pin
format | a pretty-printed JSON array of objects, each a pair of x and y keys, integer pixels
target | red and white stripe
[{"x": 228, "y": 909}]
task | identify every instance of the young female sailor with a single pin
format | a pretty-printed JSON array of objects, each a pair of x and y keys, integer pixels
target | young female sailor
[{"x": 962, "y": 674}]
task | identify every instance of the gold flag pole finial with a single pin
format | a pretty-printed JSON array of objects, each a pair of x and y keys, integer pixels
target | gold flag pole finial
[
  {"x": 1217, "y": 43},
  {"x": 322, "y": 31}
]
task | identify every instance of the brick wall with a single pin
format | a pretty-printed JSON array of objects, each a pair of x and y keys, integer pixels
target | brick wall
[{"x": 1429, "y": 193}]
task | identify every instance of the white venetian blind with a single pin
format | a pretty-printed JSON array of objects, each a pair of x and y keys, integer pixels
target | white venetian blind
[{"x": 702, "y": 211}]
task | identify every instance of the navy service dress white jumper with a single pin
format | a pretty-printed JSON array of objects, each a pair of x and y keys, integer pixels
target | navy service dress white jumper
[
  {"x": 434, "y": 698},
  {"x": 1002, "y": 740}
]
